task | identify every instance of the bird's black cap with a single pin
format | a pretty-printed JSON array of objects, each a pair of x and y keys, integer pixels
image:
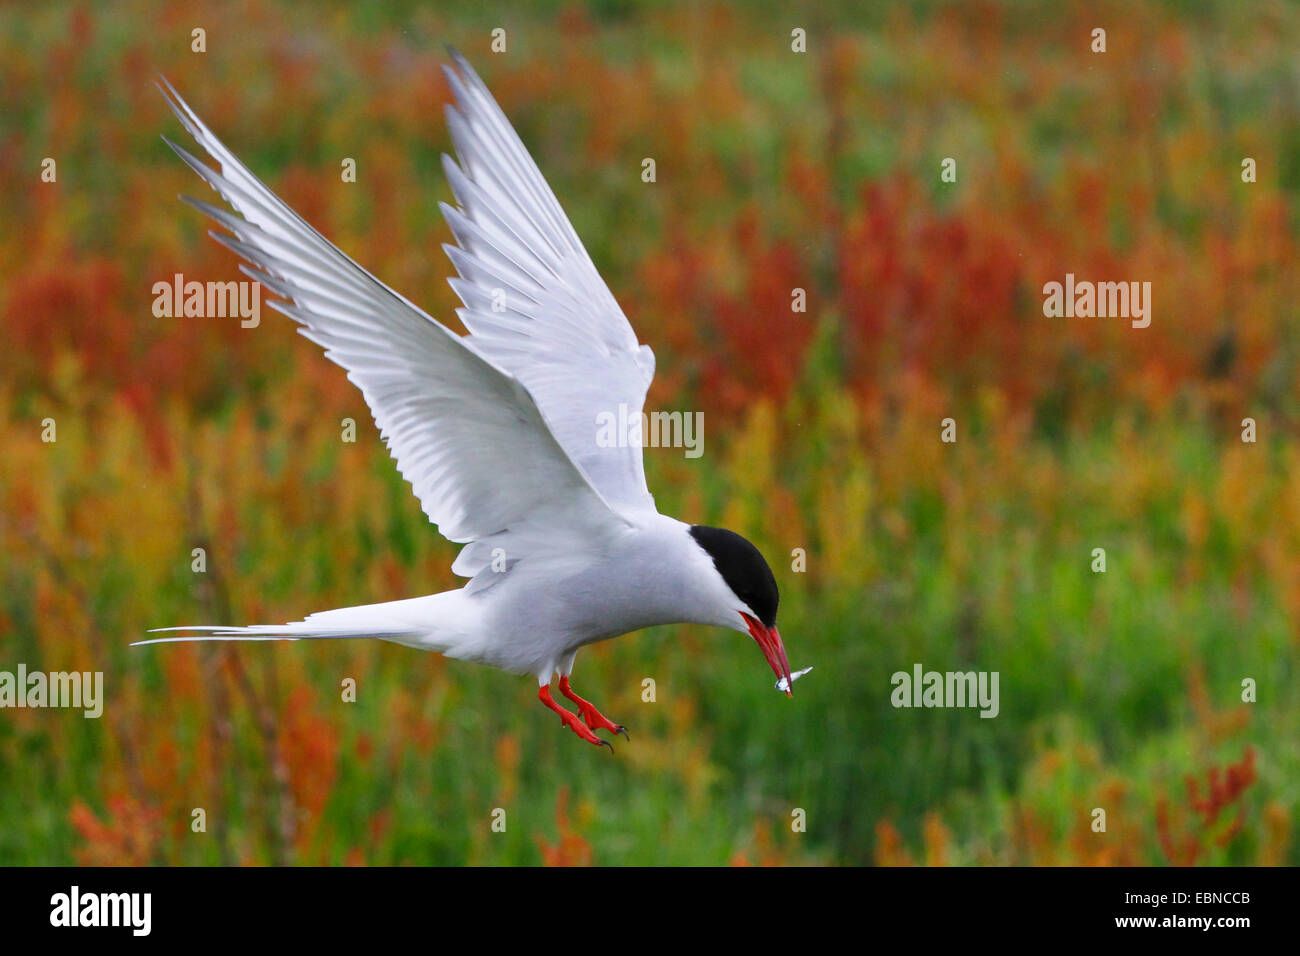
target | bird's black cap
[{"x": 743, "y": 568}]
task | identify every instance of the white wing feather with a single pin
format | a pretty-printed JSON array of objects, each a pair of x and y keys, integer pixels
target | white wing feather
[
  {"x": 533, "y": 301},
  {"x": 465, "y": 433}
]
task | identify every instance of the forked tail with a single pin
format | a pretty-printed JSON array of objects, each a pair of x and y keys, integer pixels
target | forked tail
[{"x": 411, "y": 622}]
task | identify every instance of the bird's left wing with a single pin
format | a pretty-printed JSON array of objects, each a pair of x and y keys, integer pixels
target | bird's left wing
[{"x": 467, "y": 435}]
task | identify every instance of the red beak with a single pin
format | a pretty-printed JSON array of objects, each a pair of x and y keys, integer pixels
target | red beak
[{"x": 769, "y": 641}]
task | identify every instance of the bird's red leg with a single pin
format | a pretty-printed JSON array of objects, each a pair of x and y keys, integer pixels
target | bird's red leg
[
  {"x": 593, "y": 718},
  {"x": 569, "y": 719}
]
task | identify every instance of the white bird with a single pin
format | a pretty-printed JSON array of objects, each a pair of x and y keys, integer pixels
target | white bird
[{"x": 497, "y": 431}]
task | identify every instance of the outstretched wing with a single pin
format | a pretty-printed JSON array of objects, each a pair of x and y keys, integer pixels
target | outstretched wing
[
  {"x": 465, "y": 433},
  {"x": 533, "y": 301}
]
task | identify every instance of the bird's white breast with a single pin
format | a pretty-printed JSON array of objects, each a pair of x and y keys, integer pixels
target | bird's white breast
[{"x": 552, "y": 603}]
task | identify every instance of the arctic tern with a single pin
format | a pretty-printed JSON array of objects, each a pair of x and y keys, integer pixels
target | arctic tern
[{"x": 496, "y": 430}]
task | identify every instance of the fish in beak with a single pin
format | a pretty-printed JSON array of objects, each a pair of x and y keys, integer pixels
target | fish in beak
[{"x": 769, "y": 641}]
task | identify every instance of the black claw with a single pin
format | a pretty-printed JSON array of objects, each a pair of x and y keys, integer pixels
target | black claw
[
  {"x": 623, "y": 731},
  {"x": 606, "y": 743}
]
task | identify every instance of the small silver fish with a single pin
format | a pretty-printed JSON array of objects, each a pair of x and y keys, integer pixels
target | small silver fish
[{"x": 783, "y": 685}]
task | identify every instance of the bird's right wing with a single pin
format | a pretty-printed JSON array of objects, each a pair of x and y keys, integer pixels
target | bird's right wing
[
  {"x": 534, "y": 302},
  {"x": 467, "y": 436}
]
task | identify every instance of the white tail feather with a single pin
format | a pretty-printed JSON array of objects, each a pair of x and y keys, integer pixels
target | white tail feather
[
  {"x": 413, "y": 621},
  {"x": 269, "y": 632}
]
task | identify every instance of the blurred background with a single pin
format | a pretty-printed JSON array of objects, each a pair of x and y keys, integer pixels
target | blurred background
[{"x": 776, "y": 170}]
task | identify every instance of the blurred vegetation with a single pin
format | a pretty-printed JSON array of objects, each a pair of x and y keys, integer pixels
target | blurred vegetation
[{"x": 776, "y": 170}]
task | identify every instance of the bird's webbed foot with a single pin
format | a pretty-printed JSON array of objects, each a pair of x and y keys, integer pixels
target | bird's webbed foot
[
  {"x": 569, "y": 719},
  {"x": 590, "y": 715}
]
